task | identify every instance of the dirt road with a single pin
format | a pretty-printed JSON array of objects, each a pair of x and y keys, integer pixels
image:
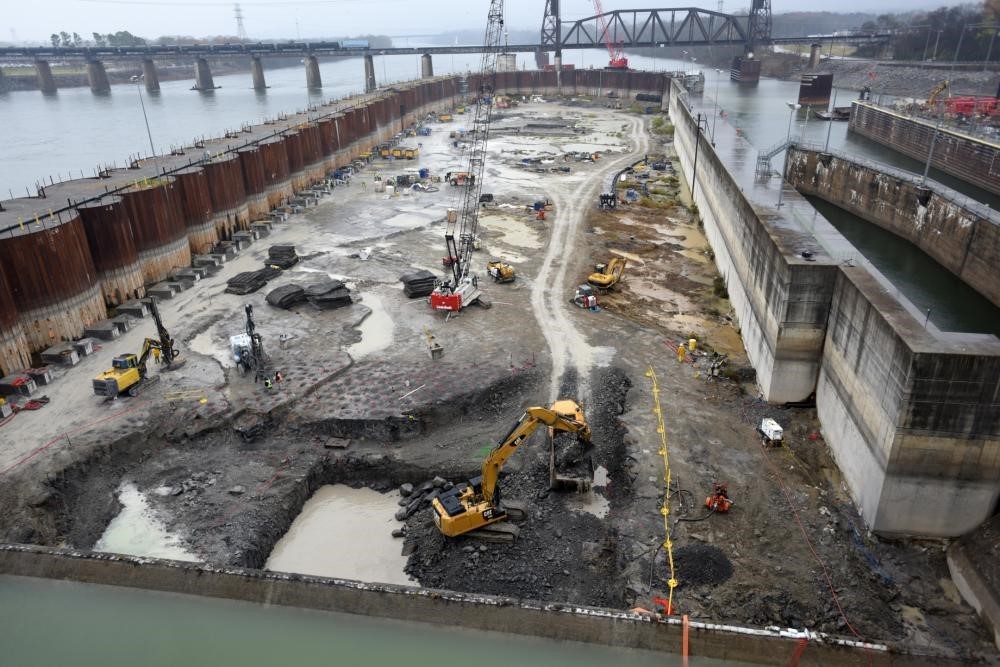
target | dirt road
[{"x": 551, "y": 291}]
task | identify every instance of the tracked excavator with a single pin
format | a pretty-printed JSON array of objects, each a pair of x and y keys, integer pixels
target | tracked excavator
[
  {"x": 461, "y": 288},
  {"x": 937, "y": 91},
  {"x": 475, "y": 508},
  {"x": 129, "y": 373},
  {"x": 607, "y": 275}
]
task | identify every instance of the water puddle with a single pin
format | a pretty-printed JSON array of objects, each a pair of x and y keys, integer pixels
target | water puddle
[
  {"x": 137, "y": 531},
  {"x": 204, "y": 343},
  {"x": 376, "y": 330},
  {"x": 513, "y": 232},
  {"x": 345, "y": 533},
  {"x": 590, "y": 502}
]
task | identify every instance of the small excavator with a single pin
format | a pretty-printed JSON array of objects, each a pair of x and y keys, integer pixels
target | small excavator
[
  {"x": 128, "y": 373},
  {"x": 606, "y": 276},
  {"x": 937, "y": 91},
  {"x": 475, "y": 508}
]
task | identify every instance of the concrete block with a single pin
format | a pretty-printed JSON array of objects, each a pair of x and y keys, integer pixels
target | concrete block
[
  {"x": 198, "y": 271},
  {"x": 188, "y": 274},
  {"x": 41, "y": 376},
  {"x": 86, "y": 346},
  {"x": 18, "y": 384},
  {"x": 262, "y": 228},
  {"x": 5, "y": 410},
  {"x": 136, "y": 309},
  {"x": 125, "y": 323},
  {"x": 104, "y": 330},
  {"x": 203, "y": 261},
  {"x": 161, "y": 291},
  {"x": 64, "y": 354},
  {"x": 179, "y": 286}
]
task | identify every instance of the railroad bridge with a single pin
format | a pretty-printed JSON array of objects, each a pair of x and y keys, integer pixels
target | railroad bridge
[{"x": 625, "y": 28}]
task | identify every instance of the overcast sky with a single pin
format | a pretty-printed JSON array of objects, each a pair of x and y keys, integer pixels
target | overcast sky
[{"x": 26, "y": 20}]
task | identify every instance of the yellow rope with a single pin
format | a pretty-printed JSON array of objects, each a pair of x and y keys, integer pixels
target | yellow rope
[{"x": 665, "y": 510}]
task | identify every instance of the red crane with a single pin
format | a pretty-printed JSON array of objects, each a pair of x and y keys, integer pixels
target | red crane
[{"x": 618, "y": 59}]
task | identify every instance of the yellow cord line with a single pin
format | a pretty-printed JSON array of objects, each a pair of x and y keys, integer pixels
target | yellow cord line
[{"x": 665, "y": 510}]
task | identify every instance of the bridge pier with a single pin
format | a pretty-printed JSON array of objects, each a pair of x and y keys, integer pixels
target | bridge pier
[
  {"x": 313, "y": 78},
  {"x": 150, "y": 76},
  {"x": 203, "y": 75},
  {"x": 43, "y": 72},
  {"x": 557, "y": 63},
  {"x": 98, "y": 77},
  {"x": 426, "y": 66},
  {"x": 370, "y": 73},
  {"x": 257, "y": 72},
  {"x": 814, "y": 56}
]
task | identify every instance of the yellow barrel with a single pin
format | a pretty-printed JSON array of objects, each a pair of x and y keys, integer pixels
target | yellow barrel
[{"x": 692, "y": 344}]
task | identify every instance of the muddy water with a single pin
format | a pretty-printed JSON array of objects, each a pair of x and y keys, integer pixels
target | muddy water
[
  {"x": 376, "y": 329},
  {"x": 45, "y": 623},
  {"x": 137, "y": 531},
  {"x": 346, "y": 533}
]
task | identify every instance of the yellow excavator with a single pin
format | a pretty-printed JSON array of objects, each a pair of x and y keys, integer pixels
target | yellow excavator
[
  {"x": 128, "y": 373},
  {"x": 500, "y": 271},
  {"x": 607, "y": 275},
  {"x": 475, "y": 508},
  {"x": 936, "y": 92}
]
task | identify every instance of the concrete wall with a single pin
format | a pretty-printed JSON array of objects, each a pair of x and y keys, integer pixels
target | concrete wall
[
  {"x": 446, "y": 608},
  {"x": 973, "y": 160},
  {"x": 959, "y": 234},
  {"x": 781, "y": 300},
  {"x": 913, "y": 419},
  {"x": 911, "y": 414}
]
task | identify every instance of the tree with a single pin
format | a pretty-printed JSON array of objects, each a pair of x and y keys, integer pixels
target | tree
[
  {"x": 55, "y": 39},
  {"x": 99, "y": 39},
  {"x": 77, "y": 40},
  {"x": 65, "y": 38}
]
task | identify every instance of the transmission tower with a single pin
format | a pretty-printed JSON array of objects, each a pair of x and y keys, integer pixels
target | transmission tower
[
  {"x": 759, "y": 25},
  {"x": 241, "y": 31}
]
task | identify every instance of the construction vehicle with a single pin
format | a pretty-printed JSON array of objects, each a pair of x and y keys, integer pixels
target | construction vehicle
[
  {"x": 397, "y": 153},
  {"x": 475, "y": 507},
  {"x": 770, "y": 432},
  {"x": 129, "y": 373},
  {"x": 384, "y": 151},
  {"x": 584, "y": 297},
  {"x": 461, "y": 288},
  {"x": 460, "y": 178},
  {"x": 445, "y": 118},
  {"x": 719, "y": 500},
  {"x": 411, "y": 153},
  {"x": 936, "y": 92},
  {"x": 606, "y": 276},
  {"x": 459, "y": 109},
  {"x": 248, "y": 348},
  {"x": 500, "y": 271},
  {"x": 617, "y": 59}
]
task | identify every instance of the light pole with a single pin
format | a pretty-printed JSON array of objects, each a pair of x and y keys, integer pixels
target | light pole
[
  {"x": 137, "y": 80},
  {"x": 829, "y": 128},
  {"x": 793, "y": 107},
  {"x": 930, "y": 153}
]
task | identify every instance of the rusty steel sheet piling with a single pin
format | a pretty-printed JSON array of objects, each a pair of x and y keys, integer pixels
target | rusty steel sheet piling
[
  {"x": 296, "y": 163},
  {"x": 229, "y": 198},
  {"x": 112, "y": 248},
  {"x": 15, "y": 353},
  {"x": 52, "y": 279},
  {"x": 277, "y": 180},
  {"x": 252, "y": 164},
  {"x": 196, "y": 205},
  {"x": 158, "y": 227}
]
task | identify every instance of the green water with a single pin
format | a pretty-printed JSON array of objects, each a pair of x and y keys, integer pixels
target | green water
[{"x": 62, "y": 624}]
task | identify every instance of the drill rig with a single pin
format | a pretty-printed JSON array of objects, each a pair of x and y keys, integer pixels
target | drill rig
[
  {"x": 461, "y": 288},
  {"x": 129, "y": 373}
]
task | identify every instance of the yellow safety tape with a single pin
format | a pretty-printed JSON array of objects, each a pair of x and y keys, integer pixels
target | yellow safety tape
[{"x": 665, "y": 510}]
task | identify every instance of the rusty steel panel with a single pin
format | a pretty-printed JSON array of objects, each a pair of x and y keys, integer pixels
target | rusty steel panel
[
  {"x": 112, "y": 248},
  {"x": 225, "y": 184},
  {"x": 275, "y": 162},
  {"x": 52, "y": 279},
  {"x": 327, "y": 136},
  {"x": 14, "y": 351},
  {"x": 158, "y": 227},
  {"x": 252, "y": 164},
  {"x": 312, "y": 144},
  {"x": 293, "y": 146}
]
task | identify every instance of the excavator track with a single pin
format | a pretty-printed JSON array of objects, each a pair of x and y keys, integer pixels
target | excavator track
[{"x": 501, "y": 532}]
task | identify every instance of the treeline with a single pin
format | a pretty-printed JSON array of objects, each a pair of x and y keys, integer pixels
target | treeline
[
  {"x": 947, "y": 33},
  {"x": 120, "y": 38},
  {"x": 125, "y": 38}
]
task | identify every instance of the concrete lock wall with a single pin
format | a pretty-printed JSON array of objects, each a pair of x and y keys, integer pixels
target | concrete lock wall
[
  {"x": 911, "y": 414},
  {"x": 781, "y": 300},
  {"x": 961, "y": 235},
  {"x": 973, "y": 160},
  {"x": 449, "y": 609},
  {"x": 913, "y": 418}
]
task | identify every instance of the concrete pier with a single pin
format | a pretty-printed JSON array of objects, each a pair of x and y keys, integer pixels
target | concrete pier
[
  {"x": 46, "y": 82},
  {"x": 814, "y": 56},
  {"x": 313, "y": 78},
  {"x": 150, "y": 75},
  {"x": 203, "y": 76},
  {"x": 426, "y": 66},
  {"x": 369, "y": 74},
  {"x": 98, "y": 77},
  {"x": 257, "y": 72},
  {"x": 558, "y": 66}
]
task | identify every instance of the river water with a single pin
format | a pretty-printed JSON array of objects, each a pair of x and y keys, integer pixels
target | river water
[{"x": 45, "y": 623}]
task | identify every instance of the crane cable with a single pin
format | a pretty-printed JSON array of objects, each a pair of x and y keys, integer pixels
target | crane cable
[{"x": 665, "y": 509}]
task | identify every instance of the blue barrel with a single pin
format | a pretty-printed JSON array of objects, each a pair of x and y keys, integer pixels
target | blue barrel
[{"x": 424, "y": 173}]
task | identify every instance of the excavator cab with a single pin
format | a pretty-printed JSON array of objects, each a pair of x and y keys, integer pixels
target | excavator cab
[
  {"x": 125, "y": 361},
  {"x": 607, "y": 276},
  {"x": 500, "y": 271}
]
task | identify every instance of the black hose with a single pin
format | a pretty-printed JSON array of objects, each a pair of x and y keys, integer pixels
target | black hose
[{"x": 700, "y": 518}]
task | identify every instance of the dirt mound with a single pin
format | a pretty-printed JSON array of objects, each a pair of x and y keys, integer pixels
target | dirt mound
[{"x": 702, "y": 564}]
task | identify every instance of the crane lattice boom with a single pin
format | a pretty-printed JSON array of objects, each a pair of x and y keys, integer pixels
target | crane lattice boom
[{"x": 617, "y": 58}]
